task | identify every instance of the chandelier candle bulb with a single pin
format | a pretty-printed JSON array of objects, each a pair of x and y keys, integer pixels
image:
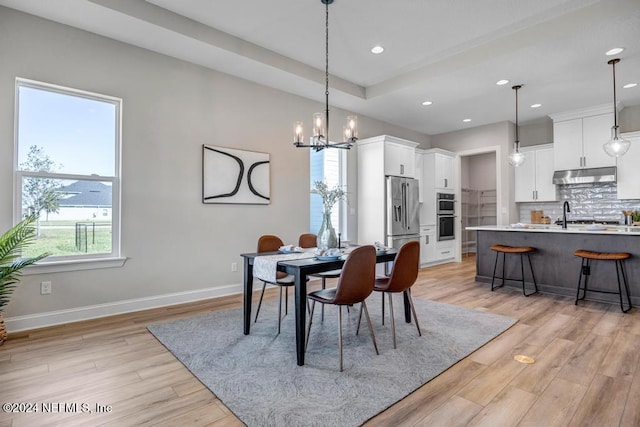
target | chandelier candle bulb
[
  {"x": 298, "y": 133},
  {"x": 318, "y": 126}
]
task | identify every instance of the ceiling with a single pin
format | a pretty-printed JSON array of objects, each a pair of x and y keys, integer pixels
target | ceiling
[{"x": 449, "y": 52}]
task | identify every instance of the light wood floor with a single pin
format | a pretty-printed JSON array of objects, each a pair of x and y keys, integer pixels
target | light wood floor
[{"x": 586, "y": 370}]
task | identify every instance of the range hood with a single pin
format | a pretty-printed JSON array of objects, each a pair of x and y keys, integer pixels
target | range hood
[{"x": 585, "y": 176}]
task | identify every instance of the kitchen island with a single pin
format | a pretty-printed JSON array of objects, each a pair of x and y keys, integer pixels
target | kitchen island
[{"x": 556, "y": 268}]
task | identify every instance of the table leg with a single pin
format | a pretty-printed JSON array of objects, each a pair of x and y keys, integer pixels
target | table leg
[
  {"x": 407, "y": 307},
  {"x": 301, "y": 313},
  {"x": 248, "y": 293}
]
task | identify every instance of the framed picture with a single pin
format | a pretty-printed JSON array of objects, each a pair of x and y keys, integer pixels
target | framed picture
[{"x": 234, "y": 176}]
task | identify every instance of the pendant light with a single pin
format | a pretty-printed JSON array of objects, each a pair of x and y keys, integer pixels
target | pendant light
[
  {"x": 616, "y": 146},
  {"x": 320, "y": 122},
  {"x": 516, "y": 158}
]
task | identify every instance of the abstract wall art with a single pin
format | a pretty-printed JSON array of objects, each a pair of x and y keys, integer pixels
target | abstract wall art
[{"x": 234, "y": 176}]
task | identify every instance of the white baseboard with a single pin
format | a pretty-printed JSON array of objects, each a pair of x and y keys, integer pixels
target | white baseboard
[{"x": 51, "y": 318}]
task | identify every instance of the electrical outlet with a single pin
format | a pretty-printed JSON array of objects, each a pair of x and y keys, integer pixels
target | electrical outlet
[
  {"x": 234, "y": 266},
  {"x": 45, "y": 288}
]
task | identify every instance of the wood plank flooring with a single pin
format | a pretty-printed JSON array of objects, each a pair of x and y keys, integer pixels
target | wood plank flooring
[{"x": 586, "y": 371}]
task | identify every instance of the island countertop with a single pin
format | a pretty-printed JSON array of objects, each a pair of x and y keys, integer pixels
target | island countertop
[
  {"x": 573, "y": 229},
  {"x": 556, "y": 267}
]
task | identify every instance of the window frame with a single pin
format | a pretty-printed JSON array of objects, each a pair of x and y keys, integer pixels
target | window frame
[{"x": 81, "y": 261}]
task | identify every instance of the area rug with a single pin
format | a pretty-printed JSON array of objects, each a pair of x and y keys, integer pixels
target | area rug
[{"x": 257, "y": 378}]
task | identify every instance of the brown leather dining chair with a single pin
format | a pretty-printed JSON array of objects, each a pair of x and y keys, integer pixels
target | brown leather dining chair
[
  {"x": 270, "y": 243},
  {"x": 354, "y": 286},
  {"x": 403, "y": 276},
  {"x": 308, "y": 240}
]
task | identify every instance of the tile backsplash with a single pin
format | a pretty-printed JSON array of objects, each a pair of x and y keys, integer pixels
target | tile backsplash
[{"x": 587, "y": 202}]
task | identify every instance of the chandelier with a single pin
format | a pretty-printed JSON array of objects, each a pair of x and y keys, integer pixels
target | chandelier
[
  {"x": 616, "y": 146},
  {"x": 320, "y": 138},
  {"x": 516, "y": 158}
]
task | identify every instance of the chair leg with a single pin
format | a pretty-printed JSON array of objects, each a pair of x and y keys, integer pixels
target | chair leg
[
  {"x": 413, "y": 309},
  {"x": 306, "y": 341},
  {"x": 286, "y": 300},
  {"x": 280, "y": 309},
  {"x": 373, "y": 336},
  {"x": 324, "y": 285},
  {"x": 504, "y": 262},
  {"x": 495, "y": 266},
  {"x": 264, "y": 285},
  {"x": 393, "y": 320},
  {"x": 533, "y": 276},
  {"x": 359, "y": 320},
  {"x": 383, "y": 308},
  {"x": 626, "y": 284},
  {"x": 340, "y": 334},
  {"x": 620, "y": 287}
]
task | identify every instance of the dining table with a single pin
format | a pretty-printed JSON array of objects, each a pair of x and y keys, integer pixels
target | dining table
[{"x": 301, "y": 268}]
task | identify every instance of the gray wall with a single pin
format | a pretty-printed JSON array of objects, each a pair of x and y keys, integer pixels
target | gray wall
[{"x": 173, "y": 243}]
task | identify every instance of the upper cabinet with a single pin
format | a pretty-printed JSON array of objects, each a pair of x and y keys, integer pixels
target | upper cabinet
[
  {"x": 440, "y": 165},
  {"x": 399, "y": 158},
  {"x": 628, "y": 182},
  {"x": 578, "y": 137},
  {"x": 534, "y": 178}
]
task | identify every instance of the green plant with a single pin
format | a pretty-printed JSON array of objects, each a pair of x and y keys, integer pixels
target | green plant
[
  {"x": 11, "y": 263},
  {"x": 636, "y": 216}
]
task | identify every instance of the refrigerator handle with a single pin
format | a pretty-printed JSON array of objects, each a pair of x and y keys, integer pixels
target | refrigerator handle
[{"x": 406, "y": 206}]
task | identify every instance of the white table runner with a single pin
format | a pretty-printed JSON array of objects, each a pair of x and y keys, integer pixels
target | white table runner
[{"x": 265, "y": 266}]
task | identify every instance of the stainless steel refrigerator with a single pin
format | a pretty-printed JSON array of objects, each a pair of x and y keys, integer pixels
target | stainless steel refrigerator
[{"x": 402, "y": 211}]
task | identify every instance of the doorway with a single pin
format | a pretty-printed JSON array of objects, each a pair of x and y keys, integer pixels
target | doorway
[{"x": 478, "y": 195}]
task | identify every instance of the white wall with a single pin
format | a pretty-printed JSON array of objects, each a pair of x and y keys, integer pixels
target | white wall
[{"x": 173, "y": 242}]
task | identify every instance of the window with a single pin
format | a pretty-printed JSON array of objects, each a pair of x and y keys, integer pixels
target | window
[
  {"x": 328, "y": 165},
  {"x": 67, "y": 170}
]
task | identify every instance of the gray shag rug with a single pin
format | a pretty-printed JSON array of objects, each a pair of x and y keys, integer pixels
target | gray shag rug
[{"x": 257, "y": 378}]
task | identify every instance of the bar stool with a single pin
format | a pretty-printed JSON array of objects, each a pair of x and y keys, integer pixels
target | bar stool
[
  {"x": 618, "y": 257},
  {"x": 522, "y": 250}
]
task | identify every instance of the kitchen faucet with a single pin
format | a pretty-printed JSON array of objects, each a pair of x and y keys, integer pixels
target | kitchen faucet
[{"x": 565, "y": 209}]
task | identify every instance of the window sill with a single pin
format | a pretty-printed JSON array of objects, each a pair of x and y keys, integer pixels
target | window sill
[{"x": 74, "y": 265}]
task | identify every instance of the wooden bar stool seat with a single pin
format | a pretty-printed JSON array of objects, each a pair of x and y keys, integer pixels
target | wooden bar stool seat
[
  {"x": 521, "y": 250},
  {"x": 585, "y": 271}
]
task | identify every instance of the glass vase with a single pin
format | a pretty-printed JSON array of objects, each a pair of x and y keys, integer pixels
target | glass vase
[{"x": 327, "y": 237}]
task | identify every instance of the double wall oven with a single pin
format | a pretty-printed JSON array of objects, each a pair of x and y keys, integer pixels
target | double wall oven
[{"x": 446, "y": 214}]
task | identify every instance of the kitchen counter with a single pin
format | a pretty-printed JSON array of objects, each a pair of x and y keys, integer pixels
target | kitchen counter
[
  {"x": 552, "y": 228},
  {"x": 555, "y": 267}
]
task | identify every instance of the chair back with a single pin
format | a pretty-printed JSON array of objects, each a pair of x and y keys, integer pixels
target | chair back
[
  {"x": 269, "y": 243},
  {"x": 405, "y": 267},
  {"x": 358, "y": 276},
  {"x": 307, "y": 240}
]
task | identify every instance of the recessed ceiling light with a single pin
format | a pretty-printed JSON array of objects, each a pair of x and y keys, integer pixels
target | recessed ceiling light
[
  {"x": 502, "y": 82},
  {"x": 536, "y": 105},
  {"x": 377, "y": 49},
  {"x": 466, "y": 120},
  {"x": 630, "y": 85},
  {"x": 427, "y": 103},
  {"x": 614, "y": 51}
]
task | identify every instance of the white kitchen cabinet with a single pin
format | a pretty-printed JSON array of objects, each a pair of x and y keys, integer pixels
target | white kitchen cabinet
[
  {"x": 377, "y": 156},
  {"x": 399, "y": 159},
  {"x": 418, "y": 174},
  {"x": 578, "y": 137},
  {"x": 427, "y": 244},
  {"x": 439, "y": 169},
  {"x": 534, "y": 177},
  {"x": 444, "y": 171},
  {"x": 445, "y": 250},
  {"x": 628, "y": 183}
]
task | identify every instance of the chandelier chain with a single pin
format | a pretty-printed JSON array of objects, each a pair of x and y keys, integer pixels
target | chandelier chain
[{"x": 326, "y": 69}]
